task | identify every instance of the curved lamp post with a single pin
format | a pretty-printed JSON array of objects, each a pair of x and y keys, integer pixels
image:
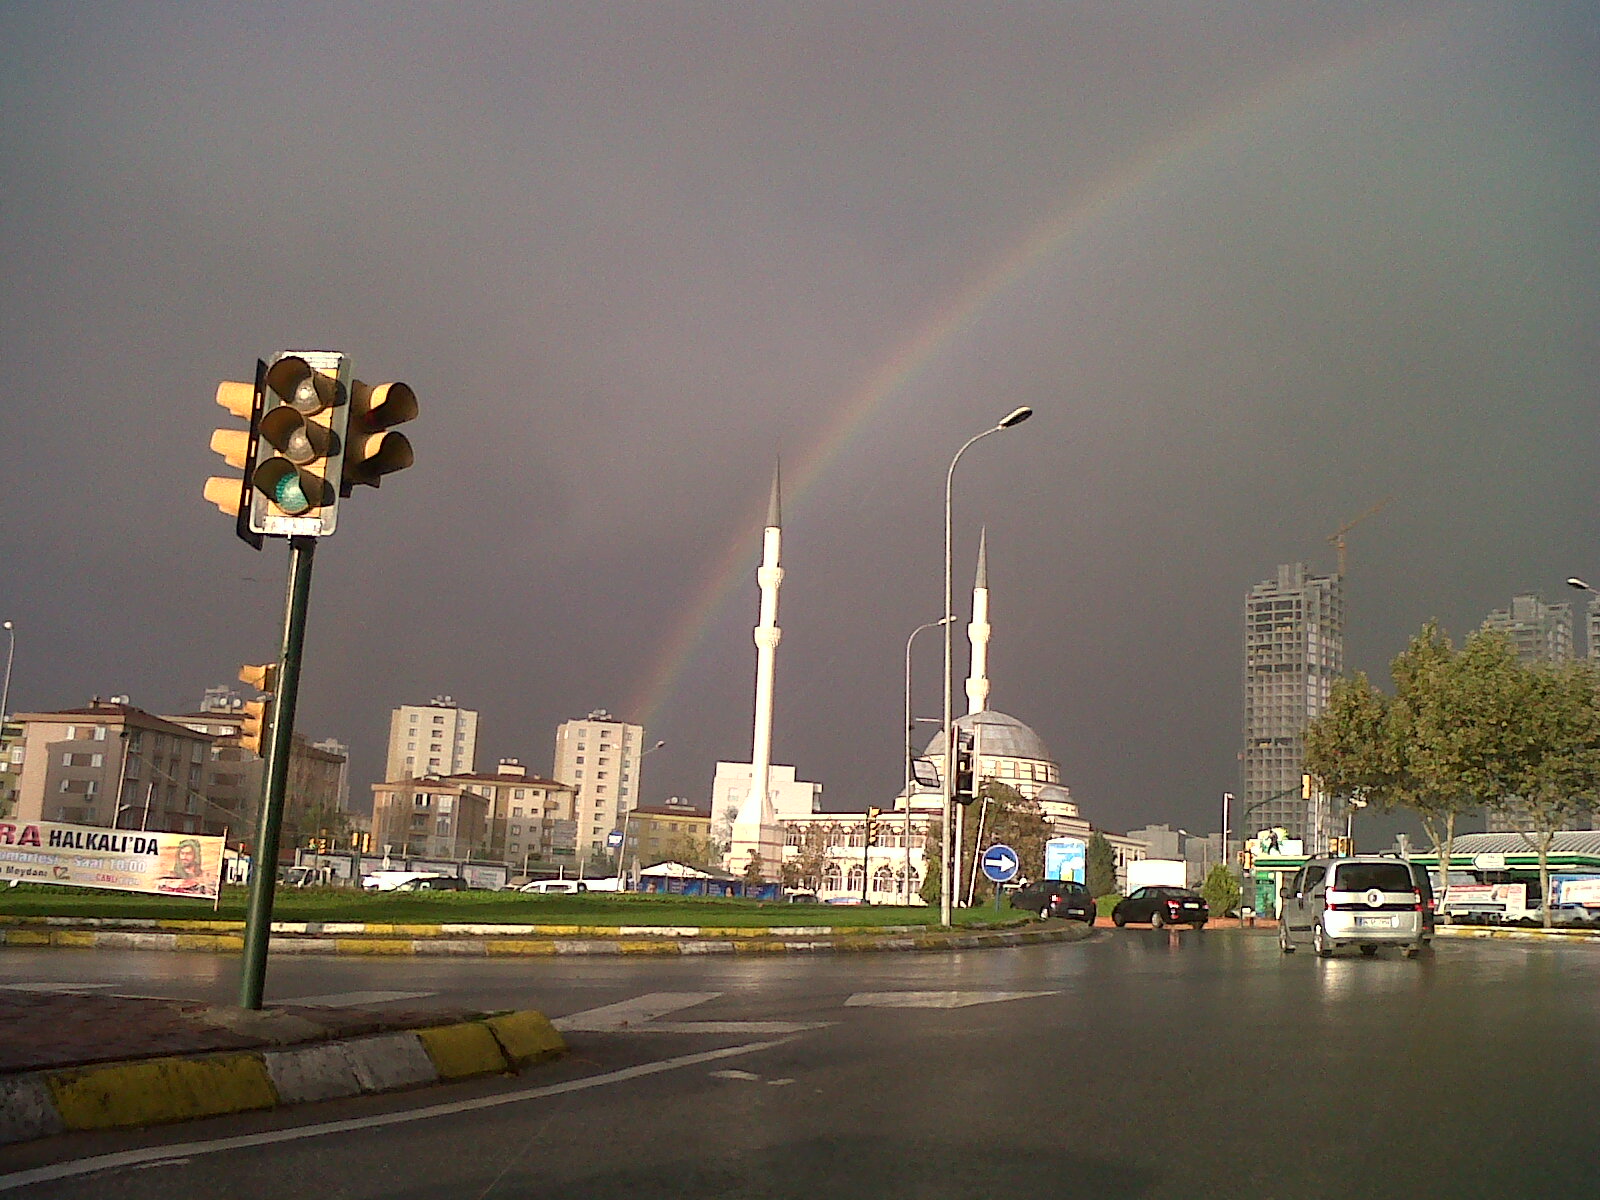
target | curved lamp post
[
  {"x": 949, "y": 868},
  {"x": 911, "y": 728},
  {"x": 11, "y": 651}
]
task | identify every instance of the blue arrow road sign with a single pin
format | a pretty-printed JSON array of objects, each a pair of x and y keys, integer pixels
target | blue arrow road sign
[{"x": 1000, "y": 863}]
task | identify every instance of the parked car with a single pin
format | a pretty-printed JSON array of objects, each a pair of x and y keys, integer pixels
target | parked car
[
  {"x": 1055, "y": 898},
  {"x": 432, "y": 883},
  {"x": 1161, "y": 906},
  {"x": 1368, "y": 901},
  {"x": 563, "y": 887}
]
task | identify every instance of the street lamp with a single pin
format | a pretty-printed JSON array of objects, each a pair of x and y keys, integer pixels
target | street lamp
[
  {"x": 910, "y": 729},
  {"x": 11, "y": 651},
  {"x": 622, "y": 846},
  {"x": 949, "y": 868}
]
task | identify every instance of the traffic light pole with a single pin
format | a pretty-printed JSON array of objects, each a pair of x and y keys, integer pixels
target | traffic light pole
[{"x": 264, "y": 862}]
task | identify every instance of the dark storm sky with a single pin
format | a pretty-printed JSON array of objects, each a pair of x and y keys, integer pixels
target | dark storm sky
[{"x": 1256, "y": 266}]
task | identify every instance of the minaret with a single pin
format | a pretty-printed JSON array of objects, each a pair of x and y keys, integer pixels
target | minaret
[
  {"x": 756, "y": 829},
  {"x": 978, "y": 632}
]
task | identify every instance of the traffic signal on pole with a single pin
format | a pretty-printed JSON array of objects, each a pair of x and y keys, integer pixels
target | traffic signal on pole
[
  {"x": 253, "y": 719},
  {"x": 963, "y": 783},
  {"x": 1305, "y": 787},
  {"x": 300, "y": 445},
  {"x": 872, "y": 825},
  {"x": 238, "y": 449},
  {"x": 372, "y": 448}
]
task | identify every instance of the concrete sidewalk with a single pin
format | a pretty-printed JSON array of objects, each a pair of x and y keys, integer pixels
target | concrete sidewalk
[{"x": 74, "y": 1061}]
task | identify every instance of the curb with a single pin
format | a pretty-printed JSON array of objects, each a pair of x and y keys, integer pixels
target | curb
[
  {"x": 445, "y": 929},
  {"x": 154, "y": 1091},
  {"x": 1517, "y": 935},
  {"x": 825, "y": 940}
]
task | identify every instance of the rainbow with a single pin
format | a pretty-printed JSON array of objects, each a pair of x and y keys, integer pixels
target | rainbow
[{"x": 1125, "y": 192}]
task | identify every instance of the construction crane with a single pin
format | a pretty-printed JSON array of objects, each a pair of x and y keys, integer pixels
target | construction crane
[{"x": 1336, "y": 538}]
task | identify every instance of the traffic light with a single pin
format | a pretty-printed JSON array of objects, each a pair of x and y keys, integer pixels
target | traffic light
[
  {"x": 372, "y": 450},
  {"x": 872, "y": 825},
  {"x": 1305, "y": 787},
  {"x": 301, "y": 442},
  {"x": 253, "y": 721},
  {"x": 238, "y": 449},
  {"x": 1246, "y": 859},
  {"x": 963, "y": 789}
]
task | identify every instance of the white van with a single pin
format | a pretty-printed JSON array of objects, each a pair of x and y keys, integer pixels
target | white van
[{"x": 546, "y": 887}]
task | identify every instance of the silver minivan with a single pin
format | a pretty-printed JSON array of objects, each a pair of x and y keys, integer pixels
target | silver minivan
[{"x": 1366, "y": 900}]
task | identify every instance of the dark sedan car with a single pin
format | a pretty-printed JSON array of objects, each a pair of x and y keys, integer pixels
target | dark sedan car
[
  {"x": 1055, "y": 898},
  {"x": 1161, "y": 906}
]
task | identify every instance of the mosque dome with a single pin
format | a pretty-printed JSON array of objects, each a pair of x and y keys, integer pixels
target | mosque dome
[{"x": 999, "y": 736}]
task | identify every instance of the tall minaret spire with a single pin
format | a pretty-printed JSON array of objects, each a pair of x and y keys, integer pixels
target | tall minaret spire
[
  {"x": 978, "y": 632},
  {"x": 756, "y": 829}
]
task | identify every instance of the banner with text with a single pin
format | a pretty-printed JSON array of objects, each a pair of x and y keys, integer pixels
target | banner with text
[{"x": 127, "y": 860}]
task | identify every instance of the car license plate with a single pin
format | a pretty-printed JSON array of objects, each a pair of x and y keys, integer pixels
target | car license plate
[{"x": 1374, "y": 922}]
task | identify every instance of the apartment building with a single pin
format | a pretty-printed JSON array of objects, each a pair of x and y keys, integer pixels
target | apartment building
[
  {"x": 1539, "y": 632},
  {"x": 430, "y": 818},
  {"x": 600, "y": 757},
  {"x": 657, "y": 832},
  {"x": 1293, "y": 653},
  {"x": 529, "y": 819},
  {"x": 110, "y": 763},
  {"x": 437, "y": 738}
]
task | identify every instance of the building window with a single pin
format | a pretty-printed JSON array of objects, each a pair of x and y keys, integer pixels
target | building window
[
  {"x": 518, "y": 793},
  {"x": 99, "y": 733}
]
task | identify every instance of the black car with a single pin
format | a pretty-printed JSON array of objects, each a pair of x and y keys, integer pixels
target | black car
[
  {"x": 1161, "y": 906},
  {"x": 433, "y": 883},
  {"x": 1055, "y": 898}
]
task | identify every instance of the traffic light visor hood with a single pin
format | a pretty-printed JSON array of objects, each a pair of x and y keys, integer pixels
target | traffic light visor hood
[{"x": 301, "y": 388}]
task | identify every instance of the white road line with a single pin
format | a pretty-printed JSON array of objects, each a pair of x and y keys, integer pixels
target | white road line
[
  {"x": 628, "y": 1013},
  {"x": 936, "y": 999},
  {"x": 55, "y": 987},
  {"x": 157, "y": 1154},
  {"x": 354, "y": 999}
]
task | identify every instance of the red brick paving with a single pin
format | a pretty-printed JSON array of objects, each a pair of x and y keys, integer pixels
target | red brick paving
[{"x": 65, "y": 1029}]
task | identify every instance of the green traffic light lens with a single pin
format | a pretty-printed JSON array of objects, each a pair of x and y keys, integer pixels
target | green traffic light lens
[{"x": 290, "y": 496}]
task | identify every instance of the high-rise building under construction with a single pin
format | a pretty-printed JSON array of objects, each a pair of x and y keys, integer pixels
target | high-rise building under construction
[{"x": 1293, "y": 653}]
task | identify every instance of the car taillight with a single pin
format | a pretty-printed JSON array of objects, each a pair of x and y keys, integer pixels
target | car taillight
[
  {"x": 1417, "y": 907},
  {"x": 1173, "y": 905}
]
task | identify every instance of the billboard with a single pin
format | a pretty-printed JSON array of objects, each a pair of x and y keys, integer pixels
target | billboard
[
  {"x": 1066, "y": 858},
  {"x": 125, "y": 860}
]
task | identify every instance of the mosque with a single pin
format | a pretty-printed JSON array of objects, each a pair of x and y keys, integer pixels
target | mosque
[{"x": 778, "y": 824}]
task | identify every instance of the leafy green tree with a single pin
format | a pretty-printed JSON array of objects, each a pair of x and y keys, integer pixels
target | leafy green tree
[
  {"x": 1464, "y": 729},
  {"x": 694, "y": 851},
  {"x": 1558, "y": 775},
  {"x": 1001, "y": 815},
  {"x": 933, "y": 863},
  {"x": 1100, "y": 866},
  {"x": 754, "y": 870},
  {"x": 1221, "y": 890}
]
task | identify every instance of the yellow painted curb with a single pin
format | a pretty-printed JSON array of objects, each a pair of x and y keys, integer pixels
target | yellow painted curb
[
  {"x": 26, "y": 937},
  {"x": 518, "y": 947},
  {"x": 366, "y": 946},
  {"x": 82, "y": 939},
  {"x": 759, "y": 947},
  {"x": 162, "y": 1089},
  {"x": 217, "y": 943},
  {"x": 462, "y": 1050},
  {"x": 526, "y": 1037},
  {"x": 646, "y": 947}
]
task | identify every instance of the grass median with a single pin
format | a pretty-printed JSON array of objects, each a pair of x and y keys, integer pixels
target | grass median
[{"x": 487, "y": 908}]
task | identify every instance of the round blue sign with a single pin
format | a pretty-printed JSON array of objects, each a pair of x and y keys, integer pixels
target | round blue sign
[{"x": 1000, "y": 863}]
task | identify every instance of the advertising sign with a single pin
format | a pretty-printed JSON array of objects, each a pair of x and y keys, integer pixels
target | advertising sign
[
  {"x": 1066, "y": 858},
  {"x": 126, "y": 860}
]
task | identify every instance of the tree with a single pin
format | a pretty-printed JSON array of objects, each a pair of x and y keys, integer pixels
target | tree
[
  {"x": 1001, "y": 816},
  {"x": 1100, "y": 866},
  {"x": 1221, "y": 890},
  {"x": 1464, "y": 729},
  {"x": 1558, "y": 775},
  {"x": 816, "y": 838},
  {"x": 755, "y": 870},
  {"x": 693, "y": 851}
]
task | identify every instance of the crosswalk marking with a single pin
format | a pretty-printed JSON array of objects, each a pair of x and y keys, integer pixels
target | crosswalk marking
[
  {"x": 936, "y": 999},
  {"x": 641, "y": 1013},
  {"x": 354, "y": 999}
]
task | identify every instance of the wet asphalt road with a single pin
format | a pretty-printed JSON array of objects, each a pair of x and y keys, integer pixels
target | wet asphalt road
[{"x": 1138, "y": 1064}]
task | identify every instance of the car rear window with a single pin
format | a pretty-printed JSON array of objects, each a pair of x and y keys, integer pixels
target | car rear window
[
  {"x": 1069, "y": 887},
  {"x": 1362, "y": 877}
]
